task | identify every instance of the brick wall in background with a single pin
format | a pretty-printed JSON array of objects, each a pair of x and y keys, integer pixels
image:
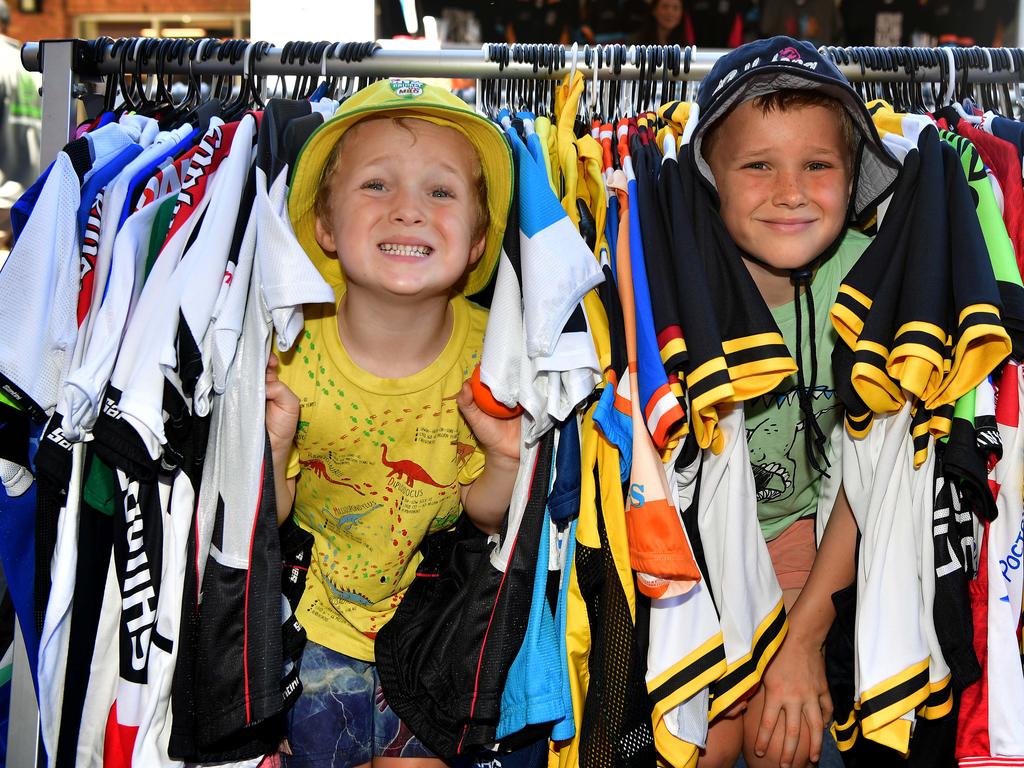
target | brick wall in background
[
  {"x": 76, "y": 7},
  {"x": 57, "y": 16},
  {"x": 53, "y": 21}
]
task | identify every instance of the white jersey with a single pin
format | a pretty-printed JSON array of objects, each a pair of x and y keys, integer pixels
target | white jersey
[
  {"x": 81, "y": 394},
  {"x": 892, "y": 653},
  {"x": 686, "y": 652},
  {"x": 287, "y": 276},
  {"x": 39, "y": 309},
  {"x": 233, "y": 446},
  {"x": 749, "y": 598},
  {"x": 1006, "y": 576},
  {"x": 530, "y": 356},
  {"x": 53, "y": 640},
  {"x": 151, "y": 328}
]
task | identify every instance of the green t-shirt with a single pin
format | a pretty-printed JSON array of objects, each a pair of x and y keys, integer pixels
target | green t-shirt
[{"x": 787, "y": 487}]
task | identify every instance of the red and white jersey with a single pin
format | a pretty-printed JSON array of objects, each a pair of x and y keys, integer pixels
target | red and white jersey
[
  {"x": 153, "y": 324},
  {"x": 203, "y": 274},
  {"x": 991, "y": 727}
]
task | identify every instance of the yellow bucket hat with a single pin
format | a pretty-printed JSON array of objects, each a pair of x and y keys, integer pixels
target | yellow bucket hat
[{"x": 404, "y": 98}]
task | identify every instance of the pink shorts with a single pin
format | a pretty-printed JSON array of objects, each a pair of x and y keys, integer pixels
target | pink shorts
[{"x": 792, "y": 553}]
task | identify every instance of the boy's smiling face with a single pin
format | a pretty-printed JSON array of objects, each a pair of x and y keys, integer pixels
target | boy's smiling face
[
  {"x": 784, "y": 181},
  {"x": 404, "y": 212}
]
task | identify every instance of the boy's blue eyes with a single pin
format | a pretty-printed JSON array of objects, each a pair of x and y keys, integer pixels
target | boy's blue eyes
[
  {"x": 759, "y": 165},
  {"x": 379, "y": 186}
]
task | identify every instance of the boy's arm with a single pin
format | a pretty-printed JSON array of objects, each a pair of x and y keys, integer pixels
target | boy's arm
[
  {"x": 282, "y": 419},
  {"x": 486, "y": 499},
  {"x": 284, "y": 487},
  {"x": 795, "y": 685}
]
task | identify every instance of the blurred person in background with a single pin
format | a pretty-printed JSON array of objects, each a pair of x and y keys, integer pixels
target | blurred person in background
[
  {"x": 926, "y": 22},
  {"x": 20, "y": 126},
  {"x": 612, "y": 21},
  {"x": 814, "y": 20},
  {"x": 667, "y": 24},
  {"x": 970, "y": 22},
  {"x": 538, "y": 21},
  {"x": 718, "y": 23}
]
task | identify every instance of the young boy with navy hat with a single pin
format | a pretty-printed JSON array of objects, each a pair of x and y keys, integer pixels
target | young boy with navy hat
[{"x": 789, "y": 152}]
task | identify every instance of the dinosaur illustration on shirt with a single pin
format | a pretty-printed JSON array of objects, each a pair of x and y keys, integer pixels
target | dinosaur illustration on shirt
[
  {"x": 318, "y": 468},
  {"x": 410, "y": 471}
]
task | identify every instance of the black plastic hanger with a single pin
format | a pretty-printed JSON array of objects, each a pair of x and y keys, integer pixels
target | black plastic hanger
[
  {"x": 127, "y": 102},
  {"x": 110, "y": 85}
]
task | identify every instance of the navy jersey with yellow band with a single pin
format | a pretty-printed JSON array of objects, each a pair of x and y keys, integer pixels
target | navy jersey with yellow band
[
  {"x": 660, "y": 270},
  {"x": 735, "y": 349},
  {"x": 920, "y": 311},
  {"x": 872, "y": 390},
  {"x": 856, "y": 294},
  {"x": 670, "y": 336},
  {"x": 980, "y": 342},
  {"x": 864, "y": 314},
  {"x": 919, "y": 344}
]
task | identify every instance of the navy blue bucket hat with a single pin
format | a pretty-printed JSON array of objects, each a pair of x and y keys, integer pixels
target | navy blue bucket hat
[{"x": 782, "y": 63}]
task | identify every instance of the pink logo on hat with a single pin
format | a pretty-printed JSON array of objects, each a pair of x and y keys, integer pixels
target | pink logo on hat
[{"x": 791, "y": 55}]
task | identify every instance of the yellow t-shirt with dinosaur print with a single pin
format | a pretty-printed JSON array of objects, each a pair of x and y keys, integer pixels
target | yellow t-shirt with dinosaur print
[{"x": 379, "y": 464}]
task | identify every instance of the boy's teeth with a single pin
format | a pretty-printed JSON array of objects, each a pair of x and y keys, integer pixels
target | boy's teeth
[{"x": 405, "y": 250}]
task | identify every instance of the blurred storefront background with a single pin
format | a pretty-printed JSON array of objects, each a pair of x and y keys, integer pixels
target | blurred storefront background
[{"x": 708, "y": 23}]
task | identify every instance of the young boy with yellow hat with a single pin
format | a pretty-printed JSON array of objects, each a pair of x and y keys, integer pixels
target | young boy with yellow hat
[{"x": 400, "y": 200}]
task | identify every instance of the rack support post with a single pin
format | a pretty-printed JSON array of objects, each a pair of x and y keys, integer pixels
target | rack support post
[{"x": 58, "y": 115}]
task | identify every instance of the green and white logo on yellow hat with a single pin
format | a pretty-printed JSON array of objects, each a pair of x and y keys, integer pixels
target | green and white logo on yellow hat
[
  {"x": 404, "y": 97},
  {"x": 409, "y": 88}
]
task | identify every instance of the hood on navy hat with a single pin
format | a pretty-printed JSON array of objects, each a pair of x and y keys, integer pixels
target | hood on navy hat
[{"x": 782, "y": 63}]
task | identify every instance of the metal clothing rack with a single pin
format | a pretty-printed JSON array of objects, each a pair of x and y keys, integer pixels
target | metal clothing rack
[{"x": 67, "y": 64}]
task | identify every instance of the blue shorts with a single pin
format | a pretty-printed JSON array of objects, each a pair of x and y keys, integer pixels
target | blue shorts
[{"x": 341, "y": 719}]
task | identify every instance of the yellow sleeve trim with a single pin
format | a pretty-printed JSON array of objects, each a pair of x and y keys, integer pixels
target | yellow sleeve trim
[
  {"x": 745, "y": 672},
  {"x": 882, "y": 705}
]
